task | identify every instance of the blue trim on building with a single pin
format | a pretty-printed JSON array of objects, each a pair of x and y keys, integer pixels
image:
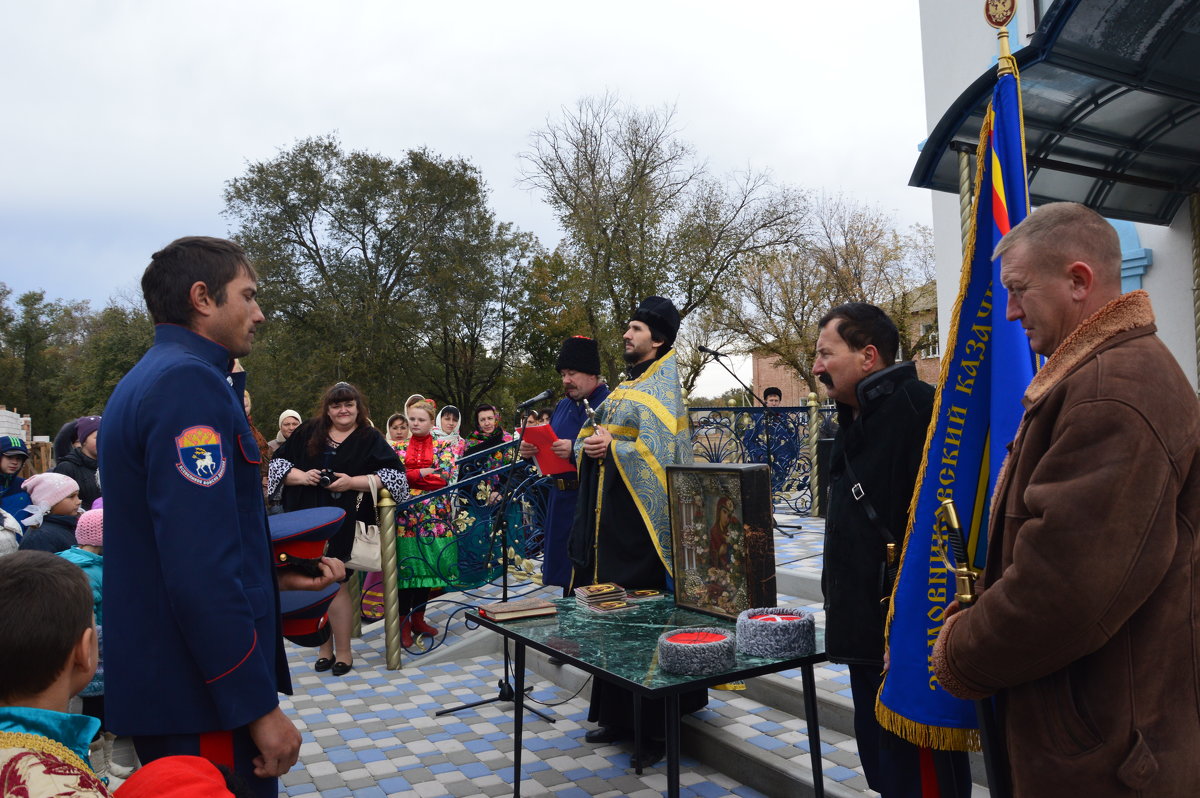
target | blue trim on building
[{"x": 1135, "y": 259}]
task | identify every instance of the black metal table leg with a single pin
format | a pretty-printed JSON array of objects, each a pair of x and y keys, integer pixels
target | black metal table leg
[
  {"x": 672, "y": 723},
  {"x": 637, "y": 733},
  {"x": 809, "y": 681}
]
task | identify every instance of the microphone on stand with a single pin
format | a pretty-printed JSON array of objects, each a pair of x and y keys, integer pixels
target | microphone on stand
[
  {"x": 541, "y": 397},
  {"x": 712, "y": 352}
]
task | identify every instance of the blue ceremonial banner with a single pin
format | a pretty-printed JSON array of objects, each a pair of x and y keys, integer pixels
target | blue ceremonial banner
[{"x": 986, "y": 367}]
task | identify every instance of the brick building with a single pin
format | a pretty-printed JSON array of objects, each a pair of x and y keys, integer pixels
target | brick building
[{"x": 919, "y": 332}]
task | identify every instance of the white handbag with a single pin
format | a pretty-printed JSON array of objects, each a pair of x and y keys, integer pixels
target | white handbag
[{"x": 366, "y": 554}]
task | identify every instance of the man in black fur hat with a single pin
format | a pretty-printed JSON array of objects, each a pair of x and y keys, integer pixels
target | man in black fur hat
[{"x": 579, "y": 365}]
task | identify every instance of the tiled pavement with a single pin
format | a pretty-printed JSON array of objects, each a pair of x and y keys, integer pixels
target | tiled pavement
[
  {"x": 377, "y": 736},
  {"x": 373, "y": 733},
  {"x": 799, "y": 541}
]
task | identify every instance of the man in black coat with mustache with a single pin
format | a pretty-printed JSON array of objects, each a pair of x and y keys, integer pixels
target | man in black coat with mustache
[{"x": 883, "y": 416}]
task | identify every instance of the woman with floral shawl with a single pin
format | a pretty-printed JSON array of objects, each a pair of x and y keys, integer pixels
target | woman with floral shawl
[{"x": 488, "y": 434}]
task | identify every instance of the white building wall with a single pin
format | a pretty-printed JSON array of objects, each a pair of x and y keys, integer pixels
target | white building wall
[
  {"x": 1168, "y": 280},
  {"x": 957, "y": 46}
]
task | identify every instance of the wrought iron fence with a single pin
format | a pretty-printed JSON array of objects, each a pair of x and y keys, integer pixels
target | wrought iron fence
[
  {"x": 784, "y": 438},
  {"x": 465, "y": 542},
  {"x": 454, "y": 534}
]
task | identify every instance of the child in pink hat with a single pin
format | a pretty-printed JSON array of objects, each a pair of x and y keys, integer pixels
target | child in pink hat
[{"x": 53, "y": 514}]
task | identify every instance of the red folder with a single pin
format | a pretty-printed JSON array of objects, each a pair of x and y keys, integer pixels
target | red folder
[{"x": 541, "y": 436}]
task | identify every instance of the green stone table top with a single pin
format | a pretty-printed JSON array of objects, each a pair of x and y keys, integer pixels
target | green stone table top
[{"x": 624, "y": 644}]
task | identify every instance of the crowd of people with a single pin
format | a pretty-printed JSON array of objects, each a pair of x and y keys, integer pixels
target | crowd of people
[
  {"x": 191, "y": 548},
  {"x": 1083, "y": 633}
]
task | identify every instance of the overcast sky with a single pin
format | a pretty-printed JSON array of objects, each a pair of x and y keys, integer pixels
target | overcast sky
[{"x": 124, "y": 120}]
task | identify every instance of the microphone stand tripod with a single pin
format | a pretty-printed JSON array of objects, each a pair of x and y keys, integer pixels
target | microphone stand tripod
[
  {"x": 767, "y": 425},
  {"x": 505, "y": 691}
]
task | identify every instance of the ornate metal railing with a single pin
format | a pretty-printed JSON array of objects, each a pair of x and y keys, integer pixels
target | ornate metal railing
[
  {"x": 465, "y": 529},
  {"x": 469, "y": 542},
  {"x": 784, "y": 438}
]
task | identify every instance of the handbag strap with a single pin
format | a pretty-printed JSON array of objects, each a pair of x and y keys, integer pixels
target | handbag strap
[
  {"x": 373, "y": 481},
  {"x": 859, "y": 494}
]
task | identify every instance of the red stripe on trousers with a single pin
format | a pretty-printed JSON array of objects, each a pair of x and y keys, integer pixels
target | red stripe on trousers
[
  {"x": 929, "y": 779},
  {"x": 217, "y": 747}
]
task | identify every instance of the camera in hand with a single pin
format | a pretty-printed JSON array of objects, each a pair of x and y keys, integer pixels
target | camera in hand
[
  {"x": 308, "y": 567},
  {"x": 326, "y": 478}
]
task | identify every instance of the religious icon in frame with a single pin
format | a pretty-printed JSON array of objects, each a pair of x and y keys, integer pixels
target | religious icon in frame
[{"x": 722, "y": 537}]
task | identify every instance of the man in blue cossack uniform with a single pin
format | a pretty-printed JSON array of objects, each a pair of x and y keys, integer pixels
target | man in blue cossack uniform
[
  {"x": 579, "y": 365},
  {"x": 193, "y": 655}
]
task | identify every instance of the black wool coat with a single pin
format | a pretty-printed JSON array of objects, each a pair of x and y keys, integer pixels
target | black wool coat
[{"x": 884, "y": 445}]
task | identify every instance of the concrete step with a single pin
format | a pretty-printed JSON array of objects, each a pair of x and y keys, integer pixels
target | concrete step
[
  {"x": 799, "y": 585},
  {"x": 783, "y": 691},
  {"x": 768, "y": 772}
]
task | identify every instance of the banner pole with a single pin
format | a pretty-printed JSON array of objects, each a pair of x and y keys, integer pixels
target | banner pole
[{"x": 1195, "y": 218}]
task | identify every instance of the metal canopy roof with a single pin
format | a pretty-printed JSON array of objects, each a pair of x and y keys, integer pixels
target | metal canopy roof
[{"x": 1111, "y": 94}]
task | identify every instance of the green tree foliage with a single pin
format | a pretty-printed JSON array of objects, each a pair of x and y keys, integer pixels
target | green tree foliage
[
  {"x": 115, "y": 339},
  {"x": 390, "y": 273},
  {"x": 642, "y": 216},
  {"x": 10, "y": 364},
  {"x": 41, "y": 342},
  {"x": 394, "y": 273},
  {"x": 853, "y": 253},
  {"x": 554, "y": 312},
  {"x": 733, "y": 397}
]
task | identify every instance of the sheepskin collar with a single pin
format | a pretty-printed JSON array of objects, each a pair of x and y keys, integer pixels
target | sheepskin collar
[{"x": 1126, "y": 312}]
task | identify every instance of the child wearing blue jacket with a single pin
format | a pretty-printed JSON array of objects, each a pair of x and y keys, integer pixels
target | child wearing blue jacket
[
  {"x": 14, "y": 498},
  {"x": 88, "y": 554}
]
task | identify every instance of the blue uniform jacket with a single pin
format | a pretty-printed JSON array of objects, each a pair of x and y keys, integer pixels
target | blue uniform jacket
[
  {"x": 568, "y": 418},
  {"x": 190, "y": 602}
]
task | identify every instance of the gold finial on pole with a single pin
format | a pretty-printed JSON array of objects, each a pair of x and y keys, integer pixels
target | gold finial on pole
[{"x": 998, "y": 14}]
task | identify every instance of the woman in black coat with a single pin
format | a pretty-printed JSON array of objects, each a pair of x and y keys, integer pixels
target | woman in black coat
[{"x": 327, "y": 462}]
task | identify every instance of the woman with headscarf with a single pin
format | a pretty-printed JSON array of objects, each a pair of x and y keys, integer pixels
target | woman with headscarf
[
  {"x": 64, "y": 440},
  {"x": 288, "y": 421},
  {"x": 488, "y": 431},
  {"x": 426, "y": 551},
  {"x": 327, "y": 462},
  {"x": 446, "y": 426},
  {"x": 397, "y": 429}
]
